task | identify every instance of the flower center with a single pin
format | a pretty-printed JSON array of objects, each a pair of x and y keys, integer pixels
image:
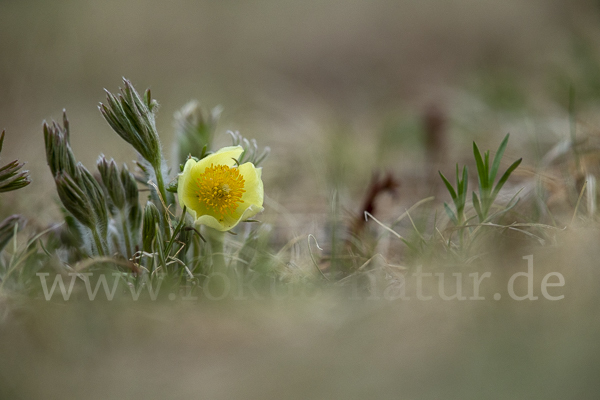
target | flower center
[{"x": 220, "y": 189}]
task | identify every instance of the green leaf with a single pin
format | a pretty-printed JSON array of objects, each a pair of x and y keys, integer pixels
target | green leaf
[
  {"x": 173, "y": 185},
  {"x": 11, "y": 179},
  {"x": 132, "y": 199},
  {"x": 150, "y": 230},
  {"x": 7, "y": 227},
  {"x": 132, "y": 118},
  {"x": 204, "y": 153},
  {"x": 477, "y": 207},
  {"x": 59, "y": 155},
  {"x": 74, "y": 199},
  {"x": 176, "y": 231},
  {"x": 450, "y": 214},
  {"x": 458, "y": 185},
  {"x": 448, "y": 186},
  {"x": 505, "y": 177},
  {"x": 464, "y": 185},
  {"x": 511, "y": 204},
  {"x": 109, "y": 172},
  {"x": 95, "y": 198},
  {"x": 251, "y": 152},
  {"x": 194, "y": 130},
  {"x": 486, "y": 163},
  {"x": 16, "y": 182},
  {"x": 498, "y": 158},
  {"x": 481, "y": 171}
]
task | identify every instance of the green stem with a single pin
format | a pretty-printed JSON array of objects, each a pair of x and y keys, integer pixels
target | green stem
[
  {"x": 216, "y": 239},
  {"x": 165, "y": 218},
  {"x": 161, "y": 184},
  {"x": 195, "y": 248},
  {"x": 128, "y": 249},
  {"x": 98, "y": 242}
]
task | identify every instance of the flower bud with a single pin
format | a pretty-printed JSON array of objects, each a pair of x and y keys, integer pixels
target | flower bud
[
  {"x": 74, "y": 199},
  {"x": 194, "y": 129},
  {"x": 150, "y": 229},
  {"x": 132, "y": 118},
  {"x": 111, "y": 180},
  {"x": 96, "y": 199},
  {"x": 131, "y": 198},
  {"x": 59, "y": 155}
]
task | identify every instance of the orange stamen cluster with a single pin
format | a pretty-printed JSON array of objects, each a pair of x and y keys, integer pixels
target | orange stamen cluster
[{"x": 220, "y": 189}]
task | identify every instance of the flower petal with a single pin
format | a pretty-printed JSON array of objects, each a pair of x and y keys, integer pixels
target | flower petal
[
  {"x": 224, "y": 156},
  {"x": 250, "y": 212},
  {"x": 212, "y": 222},
  {"x": 183, "y": 182},
  {"x": 228, "y": 221},
  {"x": 254, "y": 194},
  {"x": 252, "y": 199},
  {"x": 186, "y": 190}
]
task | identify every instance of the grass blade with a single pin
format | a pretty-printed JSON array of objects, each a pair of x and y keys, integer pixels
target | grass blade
[
  {"x": 448, "y": 186},
  {"x": 505, "y": 177},
  {"x": 477, "y": 207},
  {"x": 450, "y": 214},
  {"x": 481, "y": 172},
  {"x": 498, "y": 158},
  {"x": 464, "y": 186}
]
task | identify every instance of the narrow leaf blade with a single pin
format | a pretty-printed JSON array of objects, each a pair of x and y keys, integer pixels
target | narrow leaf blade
[
  {"x": 505, "y": 177},
  {"x": 498, "y": 158},
  {"x": 448, "y": 186}
]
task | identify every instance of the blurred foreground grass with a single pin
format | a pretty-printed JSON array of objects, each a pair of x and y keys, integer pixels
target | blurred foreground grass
[{"x": 322, "y": 346}]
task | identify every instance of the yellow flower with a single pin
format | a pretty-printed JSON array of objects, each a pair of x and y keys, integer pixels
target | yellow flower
[{"x": 217, "y": 192}]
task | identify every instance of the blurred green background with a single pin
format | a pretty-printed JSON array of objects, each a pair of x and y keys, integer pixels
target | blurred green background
[{"x": 324, "y": 83}]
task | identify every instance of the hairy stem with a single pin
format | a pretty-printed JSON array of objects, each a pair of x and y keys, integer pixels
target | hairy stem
[
  {"x": 161, "y": 184},
  {"x": 216, "y": 239},
  {"x": 98, "y": 242},
  {"x": 128, "y": 250}
]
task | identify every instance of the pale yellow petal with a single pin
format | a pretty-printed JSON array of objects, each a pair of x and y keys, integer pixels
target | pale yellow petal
[
  {"x": 252, "y": 199},
  {"x": 224, "y": 156},
  {"x": 253, "y": 185},
  {"x": 250, "y": 212},
  {"x": 186, "y": 190},
  {"x": 212, "y": 222},
  {"x": 183, "y": 181},
  {"x": 228, "y": 222}
]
